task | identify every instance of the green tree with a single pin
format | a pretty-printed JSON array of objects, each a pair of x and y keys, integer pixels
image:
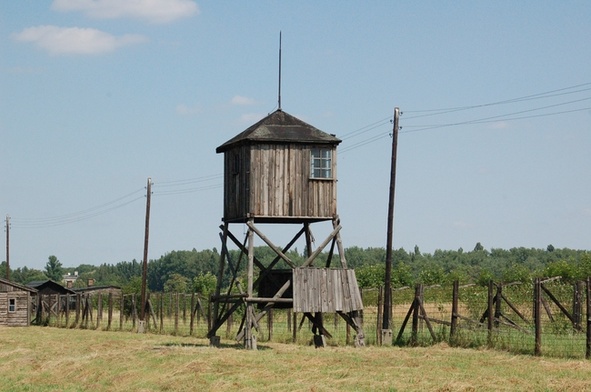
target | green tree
[
  {"x": 25, "y": 275},
  {"x": 53, "y": 269},
  {"x": 204, "y": 284},
  {"x": 177, "y": 283},
  {"x": 372, "y": 275},
  {"x": 133, "y": 286},
  {"x": 566, "y": 270}
]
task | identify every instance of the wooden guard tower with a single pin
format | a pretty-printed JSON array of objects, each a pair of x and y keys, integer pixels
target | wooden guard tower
[{"x": 282, "y": 170}]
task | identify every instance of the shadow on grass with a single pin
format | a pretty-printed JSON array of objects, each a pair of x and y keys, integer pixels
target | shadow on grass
[{"x": 235, "y": 346}]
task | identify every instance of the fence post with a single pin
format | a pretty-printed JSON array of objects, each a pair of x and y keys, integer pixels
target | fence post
[
  {"x": 78, "y": 308},
  {"x": 415, "y": 315},
  {"x": 537, "y": 316},
  {"x": 577, "y": 305},
  {"x": 498, "y": 303},
  {"x": 110, "y": 314},
  {"x": 490, "y": 315},
  {"x": 176, "y": 313},
  {"x": 454, "y": 311},
  {"x": 161, "y": 312},
  {"x": 380, "y": 315},
  {"x": 588, "y": 351},
  {"x": 99, "y": 310},
  {"x": 192, "y": 314},
  {"x": 121, "y": 311},
  {"x": 133, "y": 311},
  {"x": 67, "y": 310}
]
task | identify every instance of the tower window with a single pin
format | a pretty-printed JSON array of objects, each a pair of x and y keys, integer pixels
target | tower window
[{"x": 321, "y": 163}]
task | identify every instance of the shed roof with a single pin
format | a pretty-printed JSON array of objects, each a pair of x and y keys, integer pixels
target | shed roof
[
  {"x": 280, "y": 127},
  {"x": 17, "y": 285},
  {"x": 96, "y": 288},
  {"x": 42, "y": 284}
]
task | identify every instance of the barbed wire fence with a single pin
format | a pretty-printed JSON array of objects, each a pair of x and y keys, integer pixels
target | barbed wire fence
[{"x": 548, "y": 317}]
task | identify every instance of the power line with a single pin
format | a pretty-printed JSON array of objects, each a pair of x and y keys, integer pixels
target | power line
[
  {"x": 45, "y": 222},
  {"x": 547, "y": 94},
  {"x": 501, "y": 117},
  {"x": 496, "y": 119}
]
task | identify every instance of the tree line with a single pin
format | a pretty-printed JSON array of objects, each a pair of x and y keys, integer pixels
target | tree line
[{"x": 193, "y": 270}]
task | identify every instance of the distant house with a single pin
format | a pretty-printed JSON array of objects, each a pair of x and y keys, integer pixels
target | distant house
[
  {"x": 15, "y": 304},
  {"x": 70, "y": 279}
]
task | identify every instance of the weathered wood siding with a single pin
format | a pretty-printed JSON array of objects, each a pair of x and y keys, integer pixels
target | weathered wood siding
[
  {"x": 273, "y": 181},
  {"x": 325, "y": 290},
  {"x": 236, "y": 183},
  {"x": 21, "y": 315}
]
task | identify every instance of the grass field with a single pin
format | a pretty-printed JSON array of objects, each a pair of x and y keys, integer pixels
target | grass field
[{"x": 55, "y": 359}]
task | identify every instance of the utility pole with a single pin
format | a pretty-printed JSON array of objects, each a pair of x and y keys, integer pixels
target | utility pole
[
  {"x": 387, "y": 313},
  {"x": 142, "y": 323},
  {"x": 7, "y": 247}
]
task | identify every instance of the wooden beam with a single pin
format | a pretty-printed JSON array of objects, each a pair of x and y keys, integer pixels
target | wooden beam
[
  {"x": 271, "y": 245},
  {"x": 318, "y": 250}
]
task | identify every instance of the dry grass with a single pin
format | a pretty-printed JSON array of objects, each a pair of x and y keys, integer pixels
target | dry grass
[{"x": 52, "y": 359}]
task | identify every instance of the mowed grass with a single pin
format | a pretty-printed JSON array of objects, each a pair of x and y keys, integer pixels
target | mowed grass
[{"x": 54, "y": 359}]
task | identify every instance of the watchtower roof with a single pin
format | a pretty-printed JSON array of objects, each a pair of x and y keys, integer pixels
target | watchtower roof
[{"x": 280, "y": 127}]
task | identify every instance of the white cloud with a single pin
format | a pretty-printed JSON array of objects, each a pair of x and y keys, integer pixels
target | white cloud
[
  {"x": 186, "y": 110},
  {"x": 242, "y": 101},
  {"x": 155, "y": 11},
  {"x": 75, "y": 40}
]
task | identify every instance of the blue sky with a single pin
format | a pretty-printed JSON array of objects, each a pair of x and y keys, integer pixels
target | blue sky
[{"x": 98, "y": 95}]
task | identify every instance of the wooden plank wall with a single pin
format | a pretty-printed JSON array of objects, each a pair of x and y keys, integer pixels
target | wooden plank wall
[
  {"x": 325, "y": 290},
  {"x": 20, "y": 317},
  {"x": 281, "y": 184}
]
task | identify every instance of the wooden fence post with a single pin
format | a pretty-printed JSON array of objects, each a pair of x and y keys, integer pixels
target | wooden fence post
[
  {"x": 588, "y": 350},
  {"x": 78, "y": 308},
  {"x": 176, "y": 314},
  {"x": 380, "y": 315},
  {"x": 184, "y": 309},
  {"x": 121, "y": 311},
  {"x": 415, "y": 315},
  {"x": 133, "y": 311},
  {"x": 99, "y": 310},
  {"x": 454, "y": 311},
  {"x": 161, "y": 312},
  {"x": 498, "y": 303},
  {"x": 538, "y": 316},
  {"x": 490, "y": 313},
  {"x": 110, "y": 314},
  {"x": 192, "y": 315},
  {"x": 67, "y": 310},
  {"x": 577, "y": 305}
]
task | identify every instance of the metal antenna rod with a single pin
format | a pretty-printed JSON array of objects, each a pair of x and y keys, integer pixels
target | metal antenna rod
[{"x": 279, "y": 94}]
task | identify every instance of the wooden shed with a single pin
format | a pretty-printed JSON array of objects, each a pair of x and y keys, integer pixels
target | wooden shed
[
  {"x": 15, "y": 304},
  {"x": 283, "y": 170}
]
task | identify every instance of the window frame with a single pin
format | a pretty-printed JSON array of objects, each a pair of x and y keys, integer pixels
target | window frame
[
  {"x": 11, "y": 305},
  {"x": 321, "y": 163}
]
